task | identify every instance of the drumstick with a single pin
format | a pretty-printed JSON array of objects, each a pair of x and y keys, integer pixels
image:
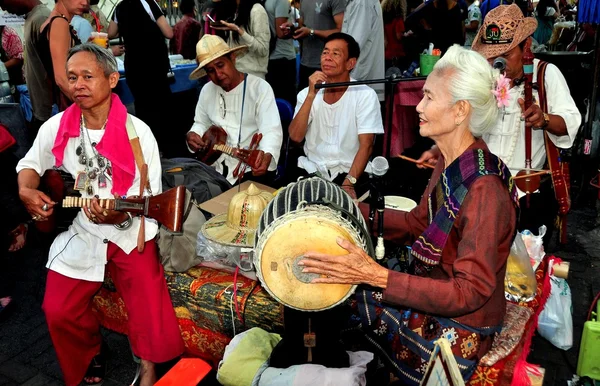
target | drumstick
[
  {"x": 415, "y": 161},
  {"x": 531, "y": 175}
]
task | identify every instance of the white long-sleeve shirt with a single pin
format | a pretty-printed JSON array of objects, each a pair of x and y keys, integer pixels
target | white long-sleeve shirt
[
  {"x": 257, "y": 38},
  {"x": 80, "y": 251},
  {"x": 507, "y": 137},
  {"x": 218, "y": 107}
]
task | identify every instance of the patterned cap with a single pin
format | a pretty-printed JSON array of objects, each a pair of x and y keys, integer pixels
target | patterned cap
[{"x": 503, "y": 29}]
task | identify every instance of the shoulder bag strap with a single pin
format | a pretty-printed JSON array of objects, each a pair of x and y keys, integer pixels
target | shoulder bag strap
[{"x": 134, "y": 141}]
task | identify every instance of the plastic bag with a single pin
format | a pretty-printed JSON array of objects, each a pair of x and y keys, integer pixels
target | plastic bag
[
  {"x": 534, "y": 245},
  {"x": 555, "y": 321},
  {"x": 519, "y": 283},
  {"x": 224, "y": 254}
]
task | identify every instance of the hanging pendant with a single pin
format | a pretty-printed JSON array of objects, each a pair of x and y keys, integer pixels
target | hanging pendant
[
  {"x": 90, "y": 189},
  {"x": 109, "y": 170},
  {"x": 92, "y": 174},
  {"x": 91, "y": 163},
  {"x": 94, "y": 144},
  {"x": 101, "y": 162},
  {"x": 102, "y": 180},
  {"x": 79, "y": 150},
  {"x": 82, "y": 159}
]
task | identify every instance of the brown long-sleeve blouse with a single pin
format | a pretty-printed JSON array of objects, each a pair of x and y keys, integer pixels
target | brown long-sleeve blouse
[{"x": 468, "y": 285}]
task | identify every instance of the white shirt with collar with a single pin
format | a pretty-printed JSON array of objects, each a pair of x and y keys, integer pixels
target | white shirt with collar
[
  {"x": 80, "y": 251},
  {"x": 333, "y": 130},
  {"x": 507, "y": 138},
  {"x": 218, "y": 107}
]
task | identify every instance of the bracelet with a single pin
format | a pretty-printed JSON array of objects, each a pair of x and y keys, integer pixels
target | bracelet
[
  {"x": 125, "y": 224},
  {"x": 350, "y": 185}
]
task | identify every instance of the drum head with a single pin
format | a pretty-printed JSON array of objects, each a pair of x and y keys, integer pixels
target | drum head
[{"x": 284, "y": 243}]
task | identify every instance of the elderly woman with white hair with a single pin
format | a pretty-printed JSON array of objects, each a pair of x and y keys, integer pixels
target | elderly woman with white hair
[{"x": 461, "y": 233}]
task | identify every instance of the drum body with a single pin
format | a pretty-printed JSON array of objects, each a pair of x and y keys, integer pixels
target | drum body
[
  {"x": 284, "y": 243},
  {"x": 292, "y": 226}
]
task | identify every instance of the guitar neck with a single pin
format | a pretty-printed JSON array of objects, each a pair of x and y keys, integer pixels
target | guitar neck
[
  {"x": 231, "y": 151},
  {"x": 133, "y": 205}
]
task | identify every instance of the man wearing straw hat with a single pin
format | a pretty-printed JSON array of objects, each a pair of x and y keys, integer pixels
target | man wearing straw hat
[
  {"x": 242, "y": 104},
  {"x": 504, "y": 34}
]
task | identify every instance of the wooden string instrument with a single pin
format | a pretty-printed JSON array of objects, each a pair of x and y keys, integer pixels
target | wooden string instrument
[
  {"x": 253, "y": 147},
  {"x": 527, "y": 179},
  {"x": 166, "y": 208},
  {"x": 215, "y": 139}
]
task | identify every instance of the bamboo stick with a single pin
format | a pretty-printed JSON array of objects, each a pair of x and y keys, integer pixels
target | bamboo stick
[{"x": 415, "y": 161}]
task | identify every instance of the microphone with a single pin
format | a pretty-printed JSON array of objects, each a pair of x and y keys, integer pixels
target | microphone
[
  {"x": 500, "y": 64},
  {"x": 391, "y": 74},
  {"x": 379, "y": 167}
]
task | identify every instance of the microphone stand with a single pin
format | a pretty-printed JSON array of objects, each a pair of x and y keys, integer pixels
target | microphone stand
[{"x": 390, "y": 92}]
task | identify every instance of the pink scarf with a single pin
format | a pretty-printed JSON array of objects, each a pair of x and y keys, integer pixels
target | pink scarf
[{"x": 114, "y": 144}]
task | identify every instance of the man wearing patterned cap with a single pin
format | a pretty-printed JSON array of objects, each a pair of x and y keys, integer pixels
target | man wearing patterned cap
[{"x": 504, "y": 34}]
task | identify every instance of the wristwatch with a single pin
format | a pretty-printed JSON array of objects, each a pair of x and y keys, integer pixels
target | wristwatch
[
  {"x": 546, "y": 121},
  {"x": 312, "y": 32},
  {"x": 351, "y": 179}
]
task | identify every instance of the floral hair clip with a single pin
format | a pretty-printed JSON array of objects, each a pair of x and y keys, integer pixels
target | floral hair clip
[{"x": 501, "y": 91}]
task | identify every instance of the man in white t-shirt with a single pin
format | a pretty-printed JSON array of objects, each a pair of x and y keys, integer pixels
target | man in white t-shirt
[
  {"x": 241, "y": 104},
  {"x": 363, "y": 20},
  {"x": 338, "y": 124}
]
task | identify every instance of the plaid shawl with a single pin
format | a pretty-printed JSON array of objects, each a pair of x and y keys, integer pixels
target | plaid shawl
[{"x": 445, "y": 201}]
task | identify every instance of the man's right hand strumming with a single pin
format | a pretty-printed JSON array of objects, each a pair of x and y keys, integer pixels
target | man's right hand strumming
[
  {"x": 195, "y": 141},
  {"x": 430, "y": 157},
  {"x": 316, "y": 78},
  {"x": 38, "y": 204}
]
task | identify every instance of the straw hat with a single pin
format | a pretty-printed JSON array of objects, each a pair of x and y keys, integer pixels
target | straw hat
[
  {"x": 503, "y": 29},
  {"x": 209, "y": 48},
  {"x": 238, "y": 226}
]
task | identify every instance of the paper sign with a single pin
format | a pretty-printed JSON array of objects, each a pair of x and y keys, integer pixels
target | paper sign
[{"x": 11, "y": 20}]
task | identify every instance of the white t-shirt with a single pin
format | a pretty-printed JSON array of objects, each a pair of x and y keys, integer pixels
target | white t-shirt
[
  {"x": 220, "y": 108},
  {"x": 80, "y": 251},
  {"x": 363, "y": 20},
  {"x": 507, "y": 138},
  {"x": 333, "y": 130}
]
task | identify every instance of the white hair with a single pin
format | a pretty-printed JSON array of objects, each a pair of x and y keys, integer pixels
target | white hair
[{"x": 472, "y": 79}]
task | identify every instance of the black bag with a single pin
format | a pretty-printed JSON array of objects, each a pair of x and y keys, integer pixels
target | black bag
[{"x": 203, "y": 181}]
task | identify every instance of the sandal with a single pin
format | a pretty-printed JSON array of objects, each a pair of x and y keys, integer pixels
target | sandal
[
  {"x": 19, "y": 238},
  {"x": 6, "y": 308},
  {"x": 96, "y": 369}
]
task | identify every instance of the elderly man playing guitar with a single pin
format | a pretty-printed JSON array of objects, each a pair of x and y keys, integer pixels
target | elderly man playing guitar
[
  {"x": 99, "y": 144},
  {"x": 241, "y": 107}
]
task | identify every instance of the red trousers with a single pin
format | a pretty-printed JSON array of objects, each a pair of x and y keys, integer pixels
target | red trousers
[{"x": 75, "y": 331}]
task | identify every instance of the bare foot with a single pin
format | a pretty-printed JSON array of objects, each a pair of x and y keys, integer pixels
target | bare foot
[
  {"x": 19, "y": 235},
  {"x": 148, "y": 373}
]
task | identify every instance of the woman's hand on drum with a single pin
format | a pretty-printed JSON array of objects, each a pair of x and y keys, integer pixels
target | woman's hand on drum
[
  {"x": 350, "y": 190},
  {"x": 354, "y": 268}
]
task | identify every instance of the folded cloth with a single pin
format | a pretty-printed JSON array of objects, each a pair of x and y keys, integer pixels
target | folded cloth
[
  {"x": 245, "y": 355},
  {"x": 305, "y": 375},
  {"x": 114, "y": 144},
  {"x": 513, "y": 327}
]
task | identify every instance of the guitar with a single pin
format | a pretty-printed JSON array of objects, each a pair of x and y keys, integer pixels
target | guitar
[
  {"x": 215, "y": 139},
  {"x": 166, "y": 208}
]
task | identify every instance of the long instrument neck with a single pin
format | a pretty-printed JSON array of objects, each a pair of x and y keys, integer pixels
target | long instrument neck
[
  {"x": 229, "y": 150},
  {"x": 133, "y": 205},
  {"x": 528, "y": 100}
]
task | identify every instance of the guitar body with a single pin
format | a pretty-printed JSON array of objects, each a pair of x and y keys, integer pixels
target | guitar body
[
  {"x": 215, "y": 135},
  {"x": 57, "y": 185}
]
